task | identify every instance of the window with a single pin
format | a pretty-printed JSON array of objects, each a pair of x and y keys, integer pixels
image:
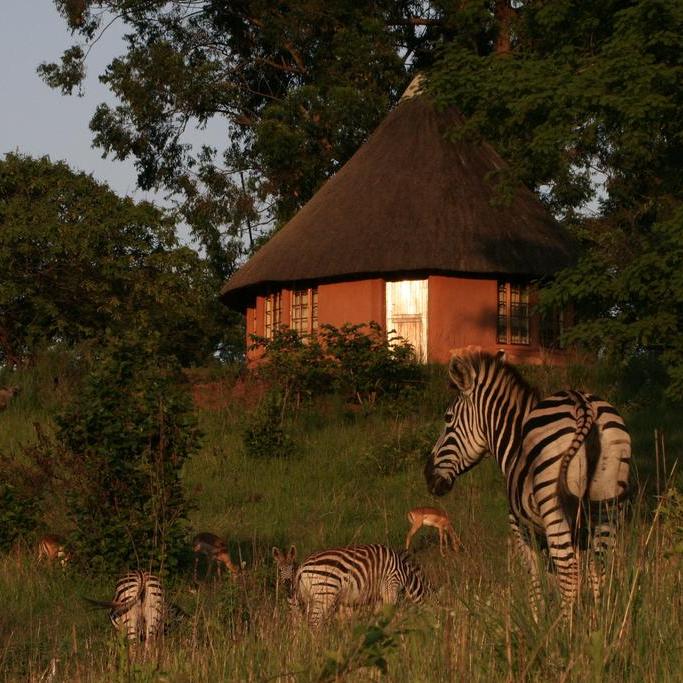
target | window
[
  {"x": 513, "y": 313},
  {"x": 272, "y": 314},
  {"x": 314, "y": 309},
  {"x": 552, "y": 327},
  {"x": 304, "y": 318}
]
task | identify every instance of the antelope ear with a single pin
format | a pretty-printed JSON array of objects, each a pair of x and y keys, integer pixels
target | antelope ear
[
  {"x": 291, "y": 556},
  {"x": 461, "y": 374},
  {"x": 501, "y": 355}
]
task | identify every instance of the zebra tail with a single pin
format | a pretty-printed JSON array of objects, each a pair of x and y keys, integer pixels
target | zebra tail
[
  {"x": 585, "y": 422},
  {"x": 100, "y": 604}
]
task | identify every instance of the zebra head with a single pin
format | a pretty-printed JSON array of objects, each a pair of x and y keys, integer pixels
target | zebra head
[
  {"x": 286, "y": 565},
  {"x": 462, "y": 443}
]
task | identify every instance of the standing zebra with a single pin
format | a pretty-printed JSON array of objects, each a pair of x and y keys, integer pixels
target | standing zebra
[
  {"x": 565, "y": 460},
  {"x": 350, "y": 577},
  {"x": 138, "y": 607}
]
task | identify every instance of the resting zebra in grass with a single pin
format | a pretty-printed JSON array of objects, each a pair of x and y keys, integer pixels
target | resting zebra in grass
[
  {"x": 138, "y": 608},
  {"x": 346, "y": 578},
  {"x": 565, "y": 460}
]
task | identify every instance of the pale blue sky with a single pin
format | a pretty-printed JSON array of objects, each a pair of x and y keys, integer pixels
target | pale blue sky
[{"x": 36, "y": 120}]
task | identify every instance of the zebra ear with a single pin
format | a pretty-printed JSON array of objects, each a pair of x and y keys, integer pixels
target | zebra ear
[
  {"x": 501, "y": 355},
  {"x": 277, "y": 554},
  {"x": 291, "y": 555},
  {"x": 461, "y": 374}
]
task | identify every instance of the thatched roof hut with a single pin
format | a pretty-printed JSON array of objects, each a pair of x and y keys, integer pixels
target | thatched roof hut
[{"x": 410, "y": 203}]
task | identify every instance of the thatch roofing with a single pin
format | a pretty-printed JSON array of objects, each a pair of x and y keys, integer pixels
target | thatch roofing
[{"x": 410, "y": 200}]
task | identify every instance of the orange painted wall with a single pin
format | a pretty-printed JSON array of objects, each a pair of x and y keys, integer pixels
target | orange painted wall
[
  {"x": 357, "y": 301},
  {"x": 461, "y": 312}
]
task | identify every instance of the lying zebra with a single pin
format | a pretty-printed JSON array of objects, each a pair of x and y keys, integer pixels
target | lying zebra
[
  {"x": 342, "y": 579},
  {"x": 565, "y": 459}
]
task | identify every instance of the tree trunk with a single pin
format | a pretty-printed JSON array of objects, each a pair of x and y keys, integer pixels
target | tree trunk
[{"x": 504, "y": 15}]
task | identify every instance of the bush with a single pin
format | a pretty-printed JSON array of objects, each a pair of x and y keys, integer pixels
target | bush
[
  {"x": 122, "y": 443},
  {"x": 265, "y": 435},
  {"x": 405, "y": 449},
  {"x": 360, "y": 361},
  {"x": 18, "y": 513},
  {"x": 371, "y": 364},
  {"x": 296, "y": 363}
]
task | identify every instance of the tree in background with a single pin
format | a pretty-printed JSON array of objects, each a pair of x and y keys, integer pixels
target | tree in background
[
  {"x": 78, "y": 263},
  {"x": 298, "y": 85},
  {"x": 584, "y": 99}
]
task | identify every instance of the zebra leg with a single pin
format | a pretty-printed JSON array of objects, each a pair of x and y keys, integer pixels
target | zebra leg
[
  {"x": 603, "y": 536},
  {"x": 522, "y": 546},
  {"x": 319, "y": 608},
  {"x": 389, "y": 593},
  {"x": 561, "y": 550}
]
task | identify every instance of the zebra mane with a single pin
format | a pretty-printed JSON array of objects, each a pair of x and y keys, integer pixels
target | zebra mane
[{"x": 481, "y": 362}]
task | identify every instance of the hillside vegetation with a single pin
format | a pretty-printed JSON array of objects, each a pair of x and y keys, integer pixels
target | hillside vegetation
[{"x": 351, "y": 477}]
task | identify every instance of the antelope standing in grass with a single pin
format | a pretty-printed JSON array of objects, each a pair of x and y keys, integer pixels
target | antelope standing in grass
[
  {"x": 7, "y": 394},
  {"x": 343, "y": 579},
  {"x": 419, "y": 517},
  {"x": 52, "y": 548},
  {"x": 216, "y": 552}
]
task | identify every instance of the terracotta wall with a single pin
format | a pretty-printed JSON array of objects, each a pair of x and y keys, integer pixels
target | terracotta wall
[
  {"x": 461, "y": 312},
  {"x": 358, "y": 301}
]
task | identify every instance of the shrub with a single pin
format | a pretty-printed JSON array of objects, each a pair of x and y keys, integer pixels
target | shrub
[
  {"x": 361, "y": 361},
  {"x": 404, "y": 449},
  {"x": 18, "y": 513},
  {"x": 297, "y": 364},
  {"x": 265, "y": 434},
  {"x": 371, "y": 364},
  {"x": 122, "y": 443}
]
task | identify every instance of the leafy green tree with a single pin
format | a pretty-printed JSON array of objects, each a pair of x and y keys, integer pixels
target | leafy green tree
[
  {"x": 121, "y": 444},
  {"x": 584, "y": 99},
  {"x": 77, "y": 261},
  {"x": 297, "y": 84}
]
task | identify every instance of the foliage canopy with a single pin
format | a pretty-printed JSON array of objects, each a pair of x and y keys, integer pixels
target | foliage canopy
[
  {"x": 79, "y": 262},
  {"x": 582, "y": 98},
  {"x": 584, "y": 104},
  {"x": 297, "y": 85}
]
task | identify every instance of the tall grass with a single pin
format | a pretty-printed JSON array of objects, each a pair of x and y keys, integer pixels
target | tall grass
[{"x": 475, "y": 626}]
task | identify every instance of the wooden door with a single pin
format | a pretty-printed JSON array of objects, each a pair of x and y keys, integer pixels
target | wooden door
[{"x": 407, "y": 313}]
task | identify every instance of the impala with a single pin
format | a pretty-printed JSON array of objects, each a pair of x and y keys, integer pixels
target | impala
[
  {"x": 6, "y": 395},
  {"x": 216, "y": 552},
  {"x": 419, "y": 517},
  {"x": 51, "y": 548}
]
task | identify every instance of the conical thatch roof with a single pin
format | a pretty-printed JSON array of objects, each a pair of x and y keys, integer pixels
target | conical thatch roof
[{"x": 410, "y": 200}]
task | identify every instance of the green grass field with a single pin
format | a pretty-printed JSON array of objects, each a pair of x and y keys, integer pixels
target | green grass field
[{"x": 347, "y": 486}]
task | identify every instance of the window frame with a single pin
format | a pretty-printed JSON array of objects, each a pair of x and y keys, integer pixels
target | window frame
[
  {"x": 303, "y": 310},
  {"x": 272, "y": 313},
  {"x": 513, "y": 319}
]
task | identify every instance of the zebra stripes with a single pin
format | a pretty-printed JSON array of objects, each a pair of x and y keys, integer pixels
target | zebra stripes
[
  {"x": 138, "y": 608},
  {"x": 342, "y": 579},
  {"x": 565, "y": 460}
]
